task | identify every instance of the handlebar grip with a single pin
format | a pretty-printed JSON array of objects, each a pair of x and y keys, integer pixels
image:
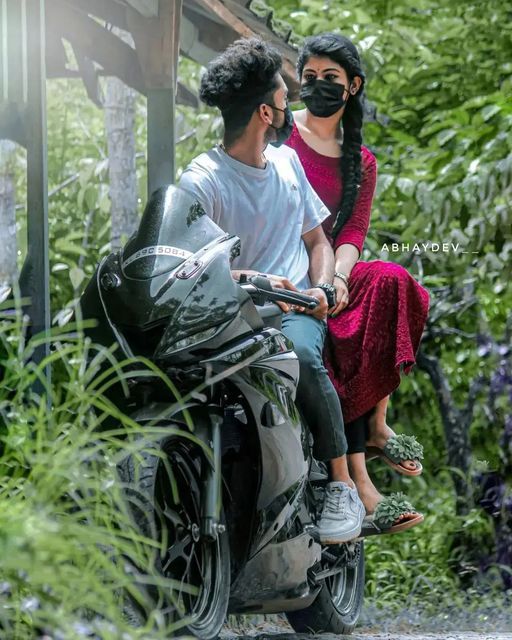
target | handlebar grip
[
  {"x": 265, "y": 289},
  {"x": 297, "y": 298}
]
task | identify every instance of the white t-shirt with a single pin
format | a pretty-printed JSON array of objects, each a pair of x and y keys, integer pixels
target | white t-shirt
[{"x": 268, "y": 209}]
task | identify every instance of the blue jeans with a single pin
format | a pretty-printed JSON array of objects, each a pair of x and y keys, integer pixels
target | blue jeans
[{"x": 316, "y": 397}]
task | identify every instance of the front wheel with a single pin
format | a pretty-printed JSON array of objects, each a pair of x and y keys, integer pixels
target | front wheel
[
  {"x": 164, "y": 492},
  {"x": 338, "y": 605}
]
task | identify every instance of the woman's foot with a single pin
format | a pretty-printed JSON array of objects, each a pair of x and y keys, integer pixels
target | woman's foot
[
  {"x": 393, "y": 514},
  {"x": 379, "y": 435},
  {"x": 370, "y": 498},
  {"x": 384, "y": 514}
]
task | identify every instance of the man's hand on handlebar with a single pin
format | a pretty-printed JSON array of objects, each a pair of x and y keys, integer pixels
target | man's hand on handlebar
[
  {"x": 321, "y": 311},
  {"x": 277, "y": 282},
  {"x": 278, "y": 289},
  {"x": 280, "y": 282}
]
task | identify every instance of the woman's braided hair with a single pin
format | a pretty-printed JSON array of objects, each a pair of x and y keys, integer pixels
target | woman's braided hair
[{"x": 342, "y": 51}]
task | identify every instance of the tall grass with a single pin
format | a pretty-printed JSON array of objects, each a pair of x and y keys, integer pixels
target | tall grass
[{"x": 68, "y": 547}]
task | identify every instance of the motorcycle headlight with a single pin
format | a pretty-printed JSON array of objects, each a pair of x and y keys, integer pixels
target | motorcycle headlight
[{"x": 191, "y": 340}]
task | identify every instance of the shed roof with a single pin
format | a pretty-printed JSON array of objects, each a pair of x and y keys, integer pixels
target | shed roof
[{"x": 145, "y": 60}]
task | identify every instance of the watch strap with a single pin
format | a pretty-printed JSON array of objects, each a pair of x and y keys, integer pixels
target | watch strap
[{"x": 330, "y": 292}]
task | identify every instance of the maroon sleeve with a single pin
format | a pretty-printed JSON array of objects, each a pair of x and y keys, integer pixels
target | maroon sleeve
[{"x": 355, "y": 230}]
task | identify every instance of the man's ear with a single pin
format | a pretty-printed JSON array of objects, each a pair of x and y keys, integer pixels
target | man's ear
[{"x": 265, "y": 113}]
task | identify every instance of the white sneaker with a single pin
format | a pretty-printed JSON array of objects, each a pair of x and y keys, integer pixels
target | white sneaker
[{"x": 342, "y": 514}]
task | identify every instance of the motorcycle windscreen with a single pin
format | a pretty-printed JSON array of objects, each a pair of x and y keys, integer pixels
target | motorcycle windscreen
[{"x": 173, "y": 227}]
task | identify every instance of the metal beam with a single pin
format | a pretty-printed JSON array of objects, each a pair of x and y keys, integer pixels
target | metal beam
[
  {"x": 160, "y": 65},
  {"x": 156, "y": 41},
  {"x": 37, "y": 262},
  {"x": 111, "y": 11},
  {"x": 16, "y": 51},
  {"x": 89, "y": 76},
  {"x": 161, "y": 138},
  {"x": 223, "y": 13},
  {"x": 194, "y": 33}
]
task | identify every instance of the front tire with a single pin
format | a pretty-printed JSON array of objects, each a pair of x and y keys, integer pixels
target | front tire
[
  {"x": 338, "y": 605},
  {"x": 164, "y": 492}
]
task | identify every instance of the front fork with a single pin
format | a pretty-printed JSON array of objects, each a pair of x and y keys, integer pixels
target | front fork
[{"x": 211, "y": 497}]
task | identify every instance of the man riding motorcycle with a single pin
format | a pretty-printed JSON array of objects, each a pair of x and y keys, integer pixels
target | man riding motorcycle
[{"x": 261, "y": 194}]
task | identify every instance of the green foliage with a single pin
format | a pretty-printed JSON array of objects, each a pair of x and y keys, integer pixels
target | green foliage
[
  {"x": 440, "y": 75},
  {"x": 427, "y": 565},
  {"x": 69, "y": 549}
]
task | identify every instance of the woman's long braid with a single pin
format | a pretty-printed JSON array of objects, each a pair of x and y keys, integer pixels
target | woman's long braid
[
  {"x": 352, "y": 122},
  {"x": 343, "y": 51}
]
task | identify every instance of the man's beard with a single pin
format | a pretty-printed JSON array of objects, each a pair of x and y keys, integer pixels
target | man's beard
[{"x": 269, "y": 136}]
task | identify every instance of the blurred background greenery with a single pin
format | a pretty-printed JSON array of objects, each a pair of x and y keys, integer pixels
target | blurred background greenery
[{"x": 439, "y": 85}]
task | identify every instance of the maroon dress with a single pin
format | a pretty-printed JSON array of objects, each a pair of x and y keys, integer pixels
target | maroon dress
[{"x": 380, "y": 329}]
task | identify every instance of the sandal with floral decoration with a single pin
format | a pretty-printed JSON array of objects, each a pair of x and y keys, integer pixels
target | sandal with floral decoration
[
  {"x": 386, "y": 517},
  {"x": 398, "y": 449}
]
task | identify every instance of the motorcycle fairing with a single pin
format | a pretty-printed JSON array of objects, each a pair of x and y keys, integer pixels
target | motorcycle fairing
[
  {"x": 277, "y": 578},
  {"x": 176, "y": 306}
]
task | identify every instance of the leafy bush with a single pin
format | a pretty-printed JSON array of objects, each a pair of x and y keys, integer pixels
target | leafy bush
[{"x": 69, "y": 550}]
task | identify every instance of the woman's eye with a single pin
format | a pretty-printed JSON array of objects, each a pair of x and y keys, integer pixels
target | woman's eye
[
  {"x": 309, "y": 77},
  {"x": 331, "y": 77}
]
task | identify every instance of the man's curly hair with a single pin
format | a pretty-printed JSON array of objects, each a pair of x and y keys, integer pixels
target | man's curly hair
[{"x": 239, "y": 80}]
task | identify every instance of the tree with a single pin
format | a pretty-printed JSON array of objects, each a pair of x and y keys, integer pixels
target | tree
[
  {"x": 119, "y": 107},
  {"x": 8, "y": 244}
]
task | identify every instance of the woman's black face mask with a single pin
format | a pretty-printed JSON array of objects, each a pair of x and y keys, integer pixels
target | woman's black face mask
[
  {"x": 323, "y": 98},
  {"x": 284, "y": 132}
]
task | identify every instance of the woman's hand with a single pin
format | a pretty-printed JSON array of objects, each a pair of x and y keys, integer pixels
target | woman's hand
[{"x": 341, "y": 297}]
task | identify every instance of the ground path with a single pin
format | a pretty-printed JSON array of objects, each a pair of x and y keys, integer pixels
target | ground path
[
  {"x": 272, "y": 635},
  {"x": 281, "y": 631}
]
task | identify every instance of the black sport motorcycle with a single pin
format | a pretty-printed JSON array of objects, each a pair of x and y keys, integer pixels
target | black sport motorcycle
[{"x": 236, "y": 528}]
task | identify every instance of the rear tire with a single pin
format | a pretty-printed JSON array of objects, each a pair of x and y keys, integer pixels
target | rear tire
[
  {"x": 154, "y": 483},
  {"x": 338, "y": 605}
]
